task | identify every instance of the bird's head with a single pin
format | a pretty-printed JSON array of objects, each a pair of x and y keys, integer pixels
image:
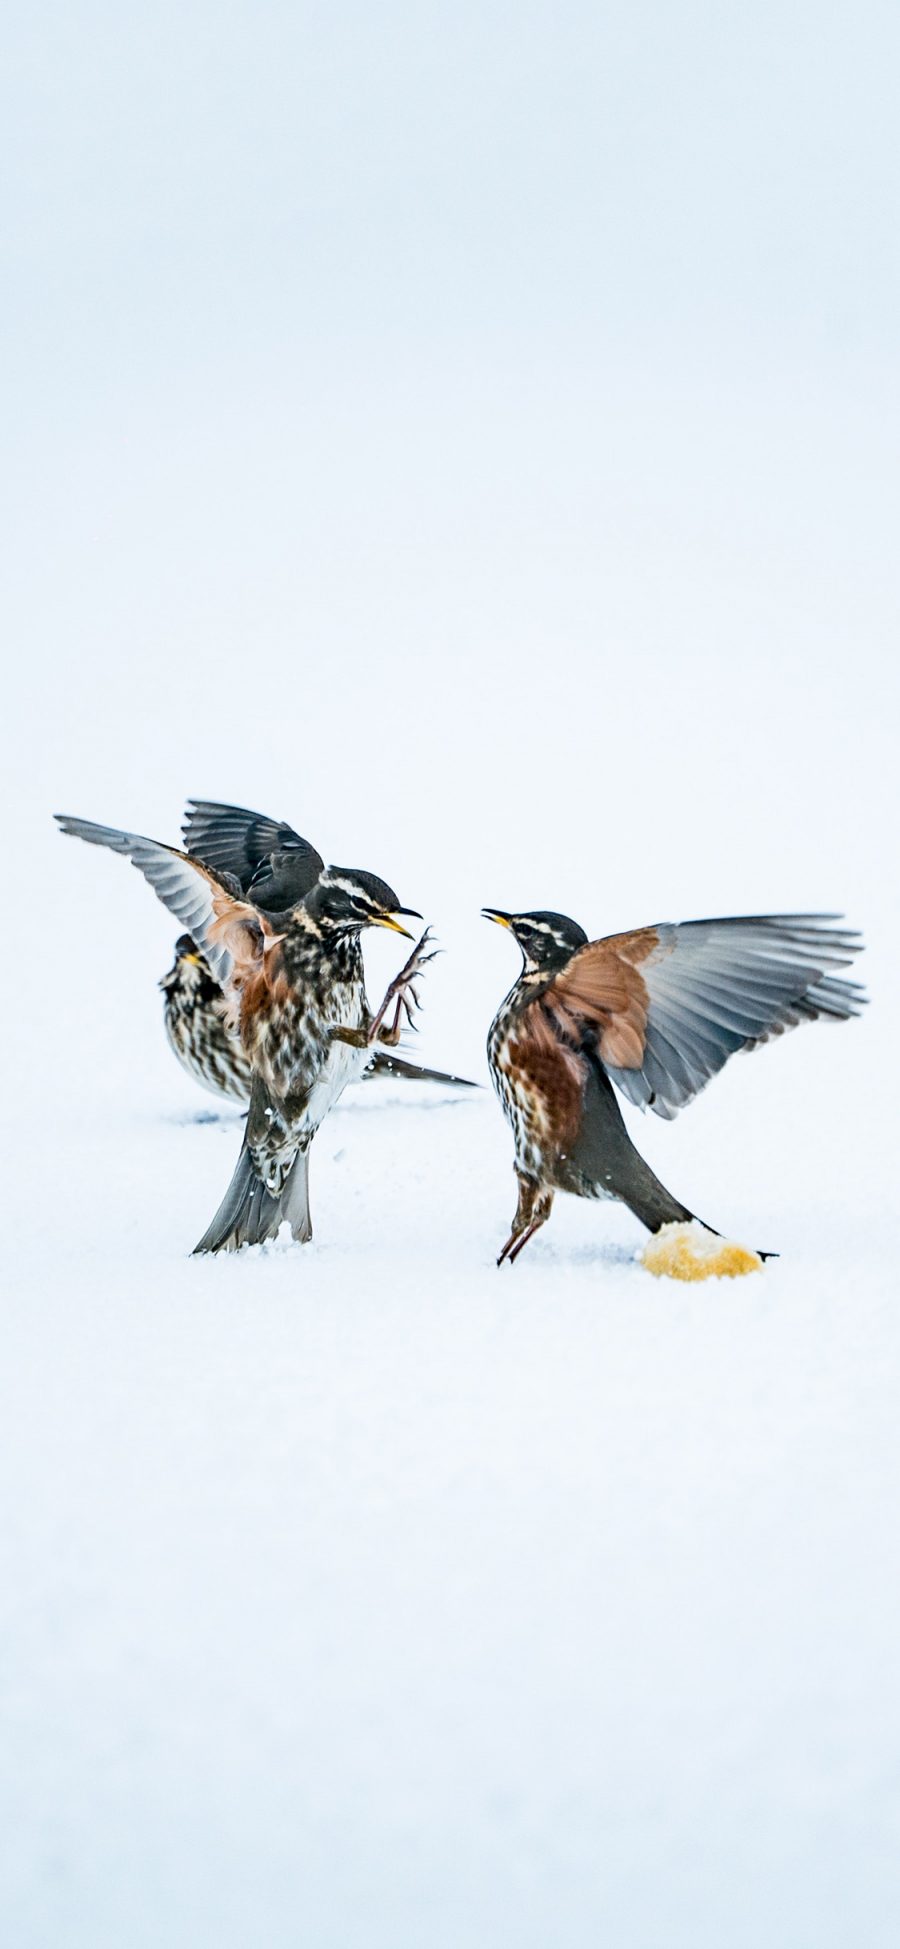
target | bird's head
[
  {"x": 547, "y": 940},
  {"x": 189, "y": 963},
  {"x": 344, "y": 900}
]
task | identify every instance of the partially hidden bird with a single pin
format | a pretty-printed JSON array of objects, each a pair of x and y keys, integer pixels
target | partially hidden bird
[
  {"x": 656, "y": 1013},
  {"x": 273, "y": 867},
  {"x": 293, "y": 980}
]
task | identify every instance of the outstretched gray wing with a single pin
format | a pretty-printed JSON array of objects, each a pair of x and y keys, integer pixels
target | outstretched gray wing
[
  {"x": 229, "y": 931},
  {"x": 669, "y": 1004}
]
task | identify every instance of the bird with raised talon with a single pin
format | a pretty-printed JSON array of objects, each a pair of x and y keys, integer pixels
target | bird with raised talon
[
  {"x": 295, "y": 990},
  {"x": 273, "y": 867},
  {"x": 195, "y": 1015}
]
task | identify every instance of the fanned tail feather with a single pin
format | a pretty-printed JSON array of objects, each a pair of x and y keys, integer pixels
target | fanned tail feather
[{"x": 249, "y": 1214}]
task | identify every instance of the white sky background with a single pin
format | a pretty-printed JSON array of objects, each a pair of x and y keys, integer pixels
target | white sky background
[
  {"x": 471, "y": 433},
  {"x": 422, "y": 402}
]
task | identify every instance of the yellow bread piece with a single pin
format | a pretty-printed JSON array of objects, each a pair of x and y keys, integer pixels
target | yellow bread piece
[{"x": 689, "y": 1251}]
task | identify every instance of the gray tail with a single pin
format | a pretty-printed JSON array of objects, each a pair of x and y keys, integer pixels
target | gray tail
[
  {"x": 385, "y": 1065},
  {"x": 249, "y": 1214},
  {"x": 655, "y": 1206},
  {"x": 643, "y": 1193},
  {"x": 606, "y": 1156}
]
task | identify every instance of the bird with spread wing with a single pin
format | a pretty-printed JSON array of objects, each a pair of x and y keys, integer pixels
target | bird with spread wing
[
  {"x": 291, "y": 973},
  {"x": 273, "y": 868},
  {"x": 656, "y": 1013}
]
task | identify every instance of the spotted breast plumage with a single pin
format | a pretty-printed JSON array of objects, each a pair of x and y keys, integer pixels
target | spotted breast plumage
[
  {"x": 273, "y": 867},
  {"x": 196, "y": 1022},
  {"x": 293, "y": 990},
  {"x": 194, "y": 1013}
]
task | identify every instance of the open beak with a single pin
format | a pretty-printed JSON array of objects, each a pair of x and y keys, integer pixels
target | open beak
[
  {"x": 390, "y": 920},
  {"x": 494, "y": 913}
]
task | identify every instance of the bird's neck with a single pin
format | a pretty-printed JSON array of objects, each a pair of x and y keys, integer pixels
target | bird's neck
[
  {"x": 308, "y": 941},
  {"x": 531, "y": 983}
]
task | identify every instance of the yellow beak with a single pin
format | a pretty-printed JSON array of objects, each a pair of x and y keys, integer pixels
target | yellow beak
[
  {"x": 387, "y": 920},
  {"x": 493, "y": 913}
]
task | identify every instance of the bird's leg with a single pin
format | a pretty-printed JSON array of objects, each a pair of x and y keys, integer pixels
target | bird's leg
[
  {"x": 363, "y": 1038},
  {"x": 528, "y": 1191},
  {"x": 542, "y": 1210},
  {"x": 511, "y": 1255},
  {"x": 401, "y": 992},
  {"x": 532, "y": 1211}
]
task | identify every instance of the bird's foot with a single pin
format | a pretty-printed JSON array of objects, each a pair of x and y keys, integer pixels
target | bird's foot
[
  {"x": 517, "y": 1242},
  {"x": 533, "y": 1210},
  {"x": 402, "y": 994}
]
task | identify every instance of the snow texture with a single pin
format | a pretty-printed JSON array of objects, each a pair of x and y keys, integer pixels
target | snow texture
[{"x": 473, "y": 440}]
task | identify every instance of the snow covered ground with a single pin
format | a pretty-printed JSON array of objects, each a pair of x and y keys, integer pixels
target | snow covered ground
[{"x": 500, "y": 483}]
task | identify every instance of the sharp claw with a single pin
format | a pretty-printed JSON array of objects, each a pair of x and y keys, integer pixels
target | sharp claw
[{"x": 402, "y": 992}]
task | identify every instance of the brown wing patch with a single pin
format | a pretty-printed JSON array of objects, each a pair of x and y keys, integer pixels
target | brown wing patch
[
  {"x": 550, "y": 1076},
  {"x": 264, "y": 983},
  {"x": 238, "y": 928},
  {"x": 248, "y": 937},
  {"x": 603, "y": 985}
]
